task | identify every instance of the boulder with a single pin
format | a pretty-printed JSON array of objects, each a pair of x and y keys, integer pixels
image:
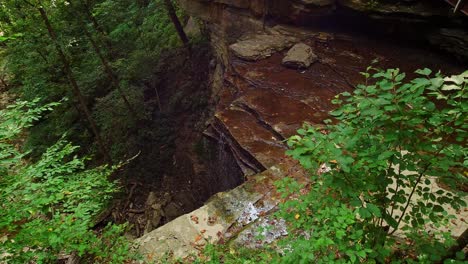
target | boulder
[
  {"x": 153, "y": 211},
  {"x": 260, "y": 46},
  {"x": 300, "y": 56},
  {"x": 172, "y": 211}
]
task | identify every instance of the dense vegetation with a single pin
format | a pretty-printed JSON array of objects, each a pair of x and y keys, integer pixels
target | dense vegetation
[
  {"x": 98, "y": 59},
  {"x": 82, "y": 71},
  {"x": 374, "y": 170},
  {"x": 49, "y": 207},
  {"x": 99, "y": 54}
]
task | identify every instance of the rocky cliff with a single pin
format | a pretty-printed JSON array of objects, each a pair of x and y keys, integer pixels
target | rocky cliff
[{"x": 277, "y": 65}]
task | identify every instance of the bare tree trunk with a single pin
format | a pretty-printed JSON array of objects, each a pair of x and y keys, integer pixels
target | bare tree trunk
[
  {"x": 3, "y": 83},
  {"x": 105, "y": 63},
  {"x": 110, "y": 73},
  {"x": 157, "y": 99},
  {"x": 74, "y": 85},
  {"x": 42, "y": 56},
  {"x": 178, "y": 26},
  {"x": 96, "y": 25}
]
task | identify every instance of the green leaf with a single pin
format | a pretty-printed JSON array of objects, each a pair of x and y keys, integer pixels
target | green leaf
[
  {"x": 457, "y": 79},
  {"x": 450, "y": 87},
  {"x": 385, "y": 155},
  {"x": 400, "y": 77},
  {"x": 364, "y": 213},
  {"x": 373, "y": 209},
  {"x": 424, "y": 71},
  {"x": 437, "y": 82},
  {"x": 460, "y": 255},
  {"x": 337, "y": 112},
  {"x": 438, "y": 208}
]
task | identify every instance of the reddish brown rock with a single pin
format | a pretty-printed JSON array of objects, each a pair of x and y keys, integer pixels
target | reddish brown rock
[{"x": 265, "y": 146}]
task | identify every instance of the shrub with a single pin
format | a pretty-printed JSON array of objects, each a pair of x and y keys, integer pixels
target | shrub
[
  {"x": 370, "y": 171},
  {"x": 49, "y": 207}
]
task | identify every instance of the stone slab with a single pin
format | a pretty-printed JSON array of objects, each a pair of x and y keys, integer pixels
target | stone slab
[{"x": 260, "y": 46}]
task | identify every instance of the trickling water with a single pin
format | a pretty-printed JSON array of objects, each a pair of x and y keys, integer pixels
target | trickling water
[{"x": 223, "y": 172}]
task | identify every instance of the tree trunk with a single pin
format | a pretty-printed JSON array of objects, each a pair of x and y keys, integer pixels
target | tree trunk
[
  {"x": 462, "y": 242},
  {"x": 42, "y": 56},
  {"x": 110, "y": 73},
  {"x": 105, "y": 63},
  {"x": 74, "y": 85},
  {"x": 178, "y": 26},
  {"x": 266, "y": 8},
  {"x": 4, "y": 83},
  {"x": 96, "y": 25}
]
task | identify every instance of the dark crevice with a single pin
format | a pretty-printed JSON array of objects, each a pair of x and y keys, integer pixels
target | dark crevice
[
  {"x": 241, "y": 162},
  {"x": 243, "y": 155}
]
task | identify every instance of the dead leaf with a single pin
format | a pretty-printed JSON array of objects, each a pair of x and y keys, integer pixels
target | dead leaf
[
  {"x": 212, "y": 220},
  {"x": 194, "y": 218}
]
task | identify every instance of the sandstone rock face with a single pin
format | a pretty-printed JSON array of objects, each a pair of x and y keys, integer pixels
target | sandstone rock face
[
  {"x": 260, "y": 46},
  {"x": 451, "y": 40},
  {"x": 294, "y": 11},
  {"x": 416, "y": 8},
  {"x": 318, "y": 2},
  {"x": 300, "y": 56}
]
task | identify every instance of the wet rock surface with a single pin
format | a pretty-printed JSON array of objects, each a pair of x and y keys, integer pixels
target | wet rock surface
[
  {"x": 416, "y": 8},
  {"x": 263, "y": 103},
  {"x": 252, "y": 136}
]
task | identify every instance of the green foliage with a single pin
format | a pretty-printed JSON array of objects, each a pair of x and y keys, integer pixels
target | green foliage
[
  {"x": 369, "y": 170},
  {"x": 214, "y": 254},
  {"x": 115, "y": 123},
  {"x": 372, "y": 4},
  {"x": 13, "y": 120},
  {"x": 130, "y": 36},
  {"x": 50, "y": 206},
  {"x": 14, "y": 36}
]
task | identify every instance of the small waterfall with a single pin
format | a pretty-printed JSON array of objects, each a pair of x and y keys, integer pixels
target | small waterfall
[{"x": 223, "y": 171}]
